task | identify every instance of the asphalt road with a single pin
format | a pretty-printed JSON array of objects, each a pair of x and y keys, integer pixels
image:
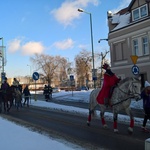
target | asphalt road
[
  {"x": 136, "y": 112},
  {"x": 73, "y": 128}
]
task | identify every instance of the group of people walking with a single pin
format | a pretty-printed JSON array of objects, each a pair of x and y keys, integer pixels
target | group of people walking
[
  {"x": 18, "y": 88},
  {"x": 25, "y": 92}
]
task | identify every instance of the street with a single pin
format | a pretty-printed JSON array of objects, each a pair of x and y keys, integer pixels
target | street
[{"x": 73, "y": 128}]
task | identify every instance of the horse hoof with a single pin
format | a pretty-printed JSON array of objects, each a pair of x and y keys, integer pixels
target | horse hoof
[
  {"x": 88, "y": 123},
  {"x": 130, "y": 130},
  {"x": 105, "y": 126},
  {"x": 116, "y": 131}
]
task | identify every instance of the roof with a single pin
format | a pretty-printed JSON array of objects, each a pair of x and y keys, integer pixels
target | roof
[{"x": 131, "y": 4}]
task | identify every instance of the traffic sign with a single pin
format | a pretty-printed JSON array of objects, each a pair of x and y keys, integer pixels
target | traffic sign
[
  {"x": 3, "y": 74},
  {"x": 134, "y": 59},
  {"x": 135, "y": 70},
  {"x": 71, "y": 77},
  {"x": 94, "y": 78},
  {"x": 35, "y": 76}
]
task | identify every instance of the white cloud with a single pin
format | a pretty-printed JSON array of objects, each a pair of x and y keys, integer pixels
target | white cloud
[
  {"x": 66, "y": 44},
  {"x": 29, "y": 48},
  {"x": 81, "y": 46},
  {"x": 32, "y": 48},
  {"x": 14, "y": 45},
  {"x": 67, "y": 12}
]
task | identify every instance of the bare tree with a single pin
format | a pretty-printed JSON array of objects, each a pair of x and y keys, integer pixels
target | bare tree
[
  {"x": 103, "y": 60},
  {"x": 83, "y": 67},
  {"x": 51, "y": 67}
]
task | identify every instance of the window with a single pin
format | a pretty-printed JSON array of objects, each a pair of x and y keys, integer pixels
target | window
[
  {"x": 136, "y": 14},
  {"x": 145, "y": 45},
  {"x": 140, "y": 46},
  {"x": 119, "y": 51},
  {"x": 139, "y": 12},
  {"x": 135, "y": 47},
  {"x": 143, "y": 11}
]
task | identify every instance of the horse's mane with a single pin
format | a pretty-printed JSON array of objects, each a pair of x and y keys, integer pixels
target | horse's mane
[{"x": 128, "y": 79}]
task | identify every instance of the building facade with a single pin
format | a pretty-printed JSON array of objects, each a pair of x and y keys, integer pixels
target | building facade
[{"x": 129, "y": 35}]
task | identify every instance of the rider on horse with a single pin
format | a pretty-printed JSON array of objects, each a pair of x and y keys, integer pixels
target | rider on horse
[{"x": 110, "y": 80}]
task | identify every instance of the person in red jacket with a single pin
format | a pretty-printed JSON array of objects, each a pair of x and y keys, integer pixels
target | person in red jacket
[{"x": 110, "y": 80}]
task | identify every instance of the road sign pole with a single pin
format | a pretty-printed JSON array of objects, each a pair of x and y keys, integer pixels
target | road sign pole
[
  {"x": 35, "y": 97},
  {"x": 35, "y": 77}
]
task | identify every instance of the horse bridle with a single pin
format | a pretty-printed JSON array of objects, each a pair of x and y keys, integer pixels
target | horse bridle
[
  {"x": 132, "y": 94},
  {"x": 129, "y": 92}
]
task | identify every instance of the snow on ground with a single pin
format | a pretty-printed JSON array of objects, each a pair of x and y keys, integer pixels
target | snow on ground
[{"x": 21, "y": 138}]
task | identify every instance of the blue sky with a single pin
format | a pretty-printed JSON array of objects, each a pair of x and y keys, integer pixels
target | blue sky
[{"x": 52, "y": 27}]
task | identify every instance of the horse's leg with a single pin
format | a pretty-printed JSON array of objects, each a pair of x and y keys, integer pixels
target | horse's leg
[
  {"x": 7, "y": 104},
  {"x": 90, "y": 116},
  {"x": 102, "y": 111},
  {"x": 129, "y": 112},
  {"x": 0, "y": 106},
  {"x": 115, "y": 117},
  {"x": 4, "y": 106},
  {"x": 92, "y": 106}
]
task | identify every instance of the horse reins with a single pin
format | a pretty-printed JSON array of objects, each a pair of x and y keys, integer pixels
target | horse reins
[{"x": 125, "y": 98}]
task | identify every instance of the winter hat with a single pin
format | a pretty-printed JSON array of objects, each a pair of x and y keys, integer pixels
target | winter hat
[
  {"x": 105, "y": 66},
  {"x": 147, "y": 84}
]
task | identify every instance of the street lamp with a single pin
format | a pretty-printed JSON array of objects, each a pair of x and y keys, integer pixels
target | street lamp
[
  {"x": 93, "y": 70},
  {"x": 2, "y": 55},
  {"x": 102, "y": 40},
  {"x": 30, "y": 73}
]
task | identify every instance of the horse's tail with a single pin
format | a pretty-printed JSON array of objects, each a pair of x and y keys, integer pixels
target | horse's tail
[{"x": 92, "y": 101}]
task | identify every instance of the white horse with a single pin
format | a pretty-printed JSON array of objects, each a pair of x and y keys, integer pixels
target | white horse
[{"x": 126, "y": 89}]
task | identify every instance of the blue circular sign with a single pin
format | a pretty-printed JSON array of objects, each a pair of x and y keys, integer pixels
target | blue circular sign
[
  {"x": 135, "y": 70},
  {"x": 35, "y": 76}
]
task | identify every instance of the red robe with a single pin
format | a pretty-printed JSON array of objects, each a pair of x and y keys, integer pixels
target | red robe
[{"x": 109, "y": 81}]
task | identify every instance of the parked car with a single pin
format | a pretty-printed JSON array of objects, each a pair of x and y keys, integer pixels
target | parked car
[
  {"x": 56, "y": 89},
  {"x": 83, "y": 88}
]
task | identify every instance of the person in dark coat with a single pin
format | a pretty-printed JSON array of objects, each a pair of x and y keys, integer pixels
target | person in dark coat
[
  {"x": 5, "y": 86},
  {"x": 50, "y": 90},
  {"x": 110, "y": 80},
  {"x": 145, "y": 95},
  {"x": 47, "y": 92},
  {"x": 27, "y": 95}
]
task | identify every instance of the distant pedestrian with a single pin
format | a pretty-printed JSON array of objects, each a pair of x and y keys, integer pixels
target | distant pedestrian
[
  {"x": 47, "y": 92},
  {"x": 145, "y": 95},
  {"x": 27, "y": 95},
  {"x": 5, "y": 86},
  {"x": 15, "y": 82},
  {"x": 50, "y": 90}
]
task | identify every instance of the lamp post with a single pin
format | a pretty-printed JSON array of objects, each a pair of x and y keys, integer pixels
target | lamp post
[
  {"x": 2, "y": 55},
  {"x": 30, "y": 73},
  {"x": 93, "y": 70}
]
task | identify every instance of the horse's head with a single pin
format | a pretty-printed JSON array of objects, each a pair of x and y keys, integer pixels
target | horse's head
[{"x": 135, "y": 88}]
